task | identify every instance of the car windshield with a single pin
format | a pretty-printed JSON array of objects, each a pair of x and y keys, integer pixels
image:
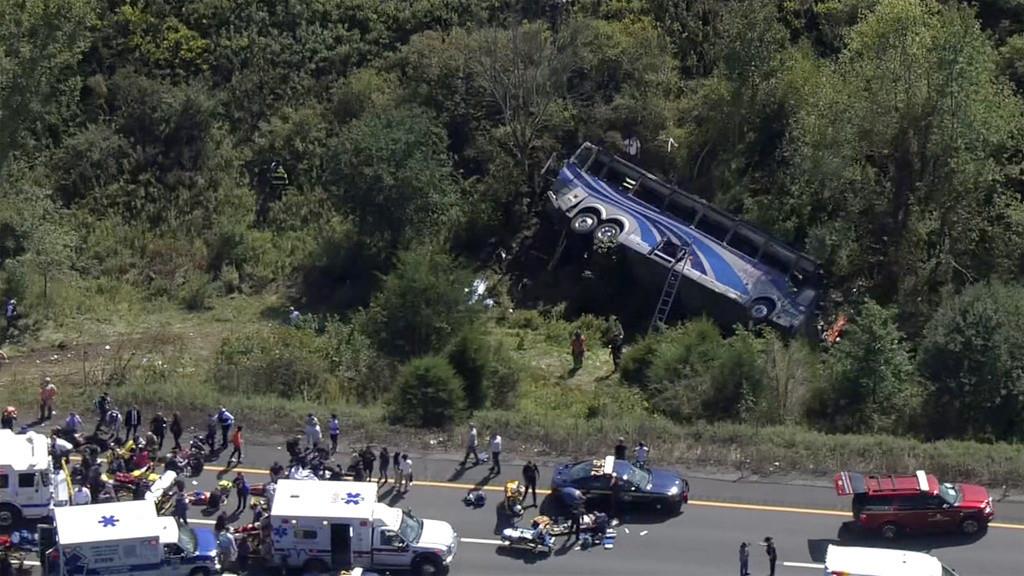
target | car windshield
[
  {"x": 581, "y": 470},
  {"x": 633, "y": 475},
  {"x": 949, "y": 493},
  {"x": 410, "y": 528},
  {"x": 186, "y": 539}
]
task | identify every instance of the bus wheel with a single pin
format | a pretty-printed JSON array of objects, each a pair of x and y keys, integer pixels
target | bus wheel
[
  {"x": 584, "y": 222},
  {"x": 9, "y": 515},
  {"x": 607, "y": 232},
  {"x": 761, "y": 309}
]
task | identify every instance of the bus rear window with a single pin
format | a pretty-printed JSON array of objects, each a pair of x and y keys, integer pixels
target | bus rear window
[{"x": 717, "y": 228}]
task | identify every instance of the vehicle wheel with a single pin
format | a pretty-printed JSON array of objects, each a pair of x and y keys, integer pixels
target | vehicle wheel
[
  {"x": 761, "y": 308},
  {"x": 584, "y": 222},
  {"x": 970, "y": 526},
  {"x": 9, "y": 515},
  {"x": 607, "y": 232},
  {"x": 199, "y": 572},
  {"x": 676, "y": 508},
  {"x": 316, "y": 566},
  {"x": 427, "y": 565},
  {"x": 890, "y": 531}
]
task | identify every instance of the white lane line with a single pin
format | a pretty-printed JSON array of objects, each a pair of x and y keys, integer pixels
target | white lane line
[
  {"x": 803, "y": 565},
  {"x": 201, "y": 521},
  {"x": 29, "y": 563},
  {"x": 481, "y": 541}
]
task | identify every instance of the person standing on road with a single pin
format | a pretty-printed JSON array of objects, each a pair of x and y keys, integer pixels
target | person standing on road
[
  {"x": 237, "y": 442},
  {"x": 181, "y": 508},
  {"x": 744, "y": 559},
  {"x": 82, "y": 496},
  {"x": 471, "y": 443},
  {"x": 9, "y": 418},
  {"x": 406, "y": 469},
  {"x": 47, "y": 394},
  {"x": 396, "y": 465},
  {"x": 158, "y": 426},
  {"x": 640, "y": 454},
  {"x": 102, "y": 405},
  {"x": 313, "y": 433},
  {"x": 368, "y": 457},
  {"x": 383, "y": 461},
  {"x": 578, "y": 346},
  {"x": 576, "y": 502},
  {"x": 241, "y": 491},
  {"x": 530, "y": 475},
  {"x": 334, "y": 429},
  {"x": 769, "y": 549},
  {"x": 226, "y": 421},
  {"x": 176, "y": 430},
  {"x": 495, "y": 454},
  {"x": 620, "y": 449},
  {"x": 73, "y": 423},
  {"x": 132, "y": 421}
]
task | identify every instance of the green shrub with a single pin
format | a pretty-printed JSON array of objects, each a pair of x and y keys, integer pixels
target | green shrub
[
  {"x": 195, "y": 292},
  {"x": 470, "y": 356},
  {"x": 429, "y": 394},
  {"x": 282, "y": 361},
  {"x": 421, "y": 306}
]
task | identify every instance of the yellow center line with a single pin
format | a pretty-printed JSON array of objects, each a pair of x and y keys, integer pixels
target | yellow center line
[{"x": 706, "y": 503}]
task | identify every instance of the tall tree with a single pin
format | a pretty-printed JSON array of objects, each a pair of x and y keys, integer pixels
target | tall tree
[
  {"x": 40, "y": 43},
  {"x": 898, "y": 157}
]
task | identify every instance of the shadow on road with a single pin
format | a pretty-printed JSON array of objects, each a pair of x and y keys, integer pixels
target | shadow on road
[
  {"x": 525, "y": 556},
  {"x": 850, "y": 535}
]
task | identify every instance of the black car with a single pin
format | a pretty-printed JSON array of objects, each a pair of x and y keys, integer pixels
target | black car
[{"x": 665, "y": 489}]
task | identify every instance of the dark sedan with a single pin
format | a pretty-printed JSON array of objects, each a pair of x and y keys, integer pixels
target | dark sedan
[{"x": 664, "y": 489}]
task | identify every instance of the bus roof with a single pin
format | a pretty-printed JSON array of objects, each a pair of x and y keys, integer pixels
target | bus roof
[
  {"x": 24, "y": 452},
  {"x": 106, "y": 522},
  {"x": 854, "y": 561},
  {"x": 324, "y": 499}
]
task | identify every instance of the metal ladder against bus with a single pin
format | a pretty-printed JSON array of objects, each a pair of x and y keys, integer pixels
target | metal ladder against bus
[{"x": 668, "y": 293}]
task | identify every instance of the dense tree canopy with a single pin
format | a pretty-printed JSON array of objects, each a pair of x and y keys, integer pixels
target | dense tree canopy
[{"x": 363, "y": 154}]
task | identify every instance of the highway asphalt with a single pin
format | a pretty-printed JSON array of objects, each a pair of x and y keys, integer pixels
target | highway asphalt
[{"x": 703, "y": 541}]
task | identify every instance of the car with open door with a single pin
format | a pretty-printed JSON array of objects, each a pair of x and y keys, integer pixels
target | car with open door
[{"x": 896, "y": 505}]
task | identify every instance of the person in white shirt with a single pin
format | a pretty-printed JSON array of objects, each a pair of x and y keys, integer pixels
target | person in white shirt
[
  {"x": 640, "y": 454},
  {"x": 313, "y": 432},
  {"x": 405, "y": 471},
  {"x": 495, "y": 454},
  {"x": 471, "y": 444},
  {"x": 82, "y": 496}
]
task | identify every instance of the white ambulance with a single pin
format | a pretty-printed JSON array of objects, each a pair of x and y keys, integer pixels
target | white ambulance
[
  {"x": 128, "y": 538},
  {"x": 29, "y": 488},
  {"x": 322, "y": 526},
  {"x": 852, "y": 561}
]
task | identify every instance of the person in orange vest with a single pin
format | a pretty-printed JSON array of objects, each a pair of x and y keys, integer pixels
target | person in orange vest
[
  {"x": 236, "y": 445},
  {"x": 578, "y": 345},
  {"x": 47, "y": 393}
]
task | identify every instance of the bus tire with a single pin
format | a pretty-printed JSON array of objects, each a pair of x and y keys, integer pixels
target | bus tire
[
  {"x": 9, "y": 515},
  {"x": 427, "y": 565},
  {"x": 199, "y": 572},
  {"x": 761, "y": 308},
  {"x": 584, "y": 222},
  {"x": 607, "y": 231},
  {"x": 315, "y": 566}
]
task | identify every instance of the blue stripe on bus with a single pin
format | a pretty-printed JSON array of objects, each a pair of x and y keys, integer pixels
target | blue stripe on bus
[
  {"x": 721, "y": 271},
  {"x": 647, "y": 233}
]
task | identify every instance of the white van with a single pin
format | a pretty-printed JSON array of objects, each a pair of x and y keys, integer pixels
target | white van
[
  {"x": 852, "y": 561},
  {"x": 322, "y": 526},
  {"x": 128, "y": 538},
  {"x": 29, "y": 488}
]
